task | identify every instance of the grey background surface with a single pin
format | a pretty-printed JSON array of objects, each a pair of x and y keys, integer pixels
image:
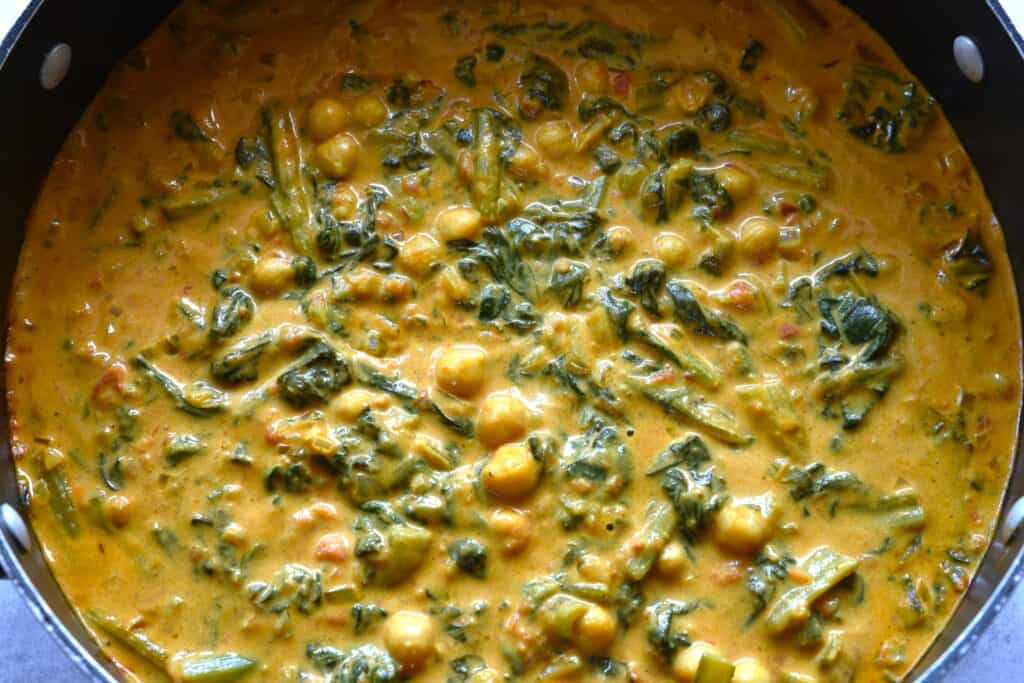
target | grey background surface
[{"x": 28, "y": 654}]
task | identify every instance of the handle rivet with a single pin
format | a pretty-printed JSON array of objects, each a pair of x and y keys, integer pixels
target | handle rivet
[
  {"x": 15, "y": 525},
  {"x": 968, "y": 57},
  {"x": 55, "y": 66}
]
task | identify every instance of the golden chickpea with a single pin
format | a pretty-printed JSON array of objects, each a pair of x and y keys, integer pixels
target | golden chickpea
[
  {"x": 352, "y": 402},
  {"x": 511, "y": 472},
  {"x": 744, "y": 527},
  {"x": 410, "y": 638},
  {"x": 460, "y": 223},
  {"x": 554, "y": 138},
  {"x": 595, "y": 568},
  {"x": 326, "y": 117},
  {"x": 759, "y": 238},
  {"x": 690, "y": 94},
  {"x": 592, "y": 77},
  {"x": 749, "y": 670},
  {"x": 396, "y": 288},
  {"x": 594, "y": 632},
  {"x": 235, "y": 534},
  {"x": 460, "y": 370},
  {"x": 419, "y": 253},
  {"x": 264, "y": 223},
  {"x": 118, "y": 510},
  {"x": 525, "y": 162},
  {"x": 454, "y": 285},
  {"x": 512, "y": 527},
  {"x": 672, "y": 561},
  {"x": 431, "y": 451},
  {"x": 364, "y": 284},
  {"x": 368, "y": 111},
  {"x": 736, "y": 182},
  {"x": 344, "y": 203},
  {"x": 486, "y": 676},
  {"x": 502, "y": 419},
  {"x": 337, "y": 156},
  {"x": 686, "y": 661},
  {"x": 671, "y": 248},
  {"x": 333, "y": 547},
  {"x": 271, "y": 274},
  {"x": 620, "y": 239}
]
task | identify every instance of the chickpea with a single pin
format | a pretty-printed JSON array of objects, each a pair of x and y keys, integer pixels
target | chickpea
[
  {"x": 592, "y": 77},
  {"x": 234, "y": 534},
  {"x": 594, "y": 632},
  {"x": 736, "y": 182},
  {"x": 502, "y": 419},
  {"x": 672, "y": 561},
  {"x": 620, "y": 239},
  {"x": 410, "y": 638},
  {"x": 337, "y": 156},
  {"x": 264, "y": 223},
  {"x": 759, "y": 238},
  {"x": 690, "y": 94},
  {"x": 749, "y": 670},
  {"x": 744, "y": 526},
  {"x": 595, "y": 568},
  {"x": 396, "y": 288},
  {"x": 419, "y": 253},
  {"x": 460, "y": 370},
  {"x": 326, "y": 117},
  {"x": 454, "y": 285},
  {"x": 368, "y": 111},
  {"x": 344, "y": 203},
  {"x": 364, "y": 283},
  {"x": 554, "y": 138},
  {"x": 513, "y": 527},
  {"x": 461, "y": 223},
  {"x": 525, "y": 162},
  {"x": 686, "y": 661},
  {"x": 117, "y": 509},
  {"x": 511, "y": 472},
  {"x": 671, "y": 248},
  {"x": 352, "y": 402},
  {"x": 271, "y": 274},
  {"x": 486, "y": 676}
]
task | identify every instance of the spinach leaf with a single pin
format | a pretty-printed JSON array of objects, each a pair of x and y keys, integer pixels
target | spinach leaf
[
  {"x": 968, "y": 262},
  {"x": 544, "y": 86},
  {"x": 232, "y": 312},
  {"x": 470, "y": 556},
  {"x": 465, "y": 71},
  {"x": 318, "y": 375},
  {"x": 694, "y": 317}
]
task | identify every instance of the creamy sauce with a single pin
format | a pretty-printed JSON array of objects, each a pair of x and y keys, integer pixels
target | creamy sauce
[{"x": 482, "y": 342}]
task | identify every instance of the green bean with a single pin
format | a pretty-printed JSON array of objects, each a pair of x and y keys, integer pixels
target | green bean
[
  {"x": 680, "y": 401},
  {"x": 195, "y": 398},
  {"x": 714, "y": 668},
  {"x": 826, "y": 569},
  {"x": 654, "y": 536},
  {"x": 291, "y": 198},
  {"x": 134, "y": 640},
  {"x": 190, "y": 202},
  {"x": 485, "y": 187},
  {"x": 769, "y": 402},
  {"x": 60, "y": 499},
  {"x": 215, "y": 668},
  {"x": 807, "y": 176}
]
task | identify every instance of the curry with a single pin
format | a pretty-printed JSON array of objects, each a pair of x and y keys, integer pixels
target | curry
[{"x": 477, "y": 341}]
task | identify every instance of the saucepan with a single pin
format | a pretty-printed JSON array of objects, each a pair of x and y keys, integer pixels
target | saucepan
[{"x": 59, "y": 52}]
